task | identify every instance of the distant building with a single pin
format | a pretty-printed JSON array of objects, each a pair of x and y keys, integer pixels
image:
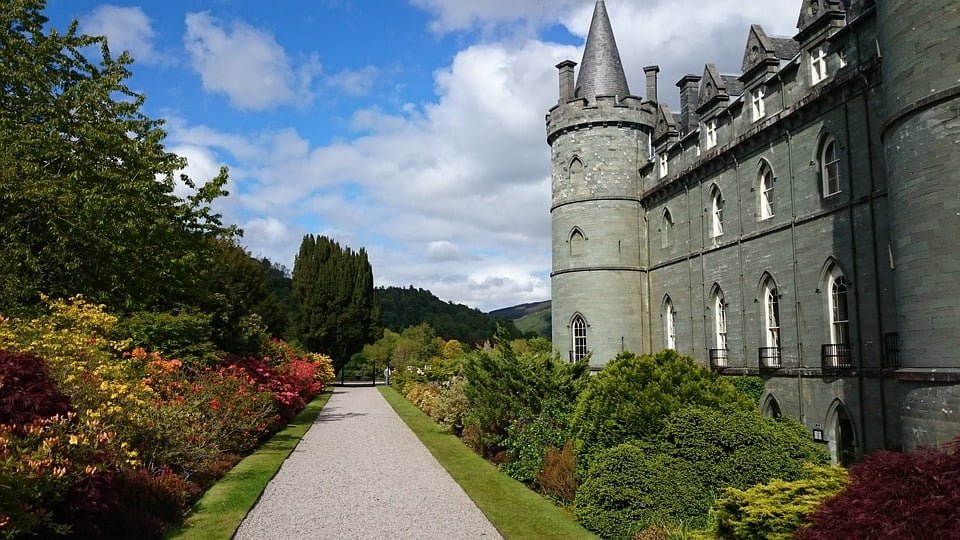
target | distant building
[{"x": 799, "y": 220}]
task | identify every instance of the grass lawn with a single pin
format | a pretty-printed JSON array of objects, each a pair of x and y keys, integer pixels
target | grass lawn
[
  {"x": 222, "y": 508},
  {"x": 514, "y": 509}
]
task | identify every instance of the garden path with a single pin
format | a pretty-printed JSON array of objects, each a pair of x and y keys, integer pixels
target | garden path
[{"x": 359, "y": 472}]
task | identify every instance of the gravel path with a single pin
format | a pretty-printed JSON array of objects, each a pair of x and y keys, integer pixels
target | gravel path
[{"x": 360, "y": 472}]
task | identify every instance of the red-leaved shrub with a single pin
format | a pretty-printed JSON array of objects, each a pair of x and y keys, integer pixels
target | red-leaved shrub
[
  {"x": 895, "y": 495},
  {"x": 27, "y": 392}
]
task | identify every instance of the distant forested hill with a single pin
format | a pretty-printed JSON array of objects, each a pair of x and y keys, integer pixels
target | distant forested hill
[
  {"x": 529, "y": 318},
  {"x": 402, "y": 308}
]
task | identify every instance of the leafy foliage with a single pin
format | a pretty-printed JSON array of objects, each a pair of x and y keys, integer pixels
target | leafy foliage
[
  {"x": 339, "y": 312},
  {"x": 776, "y": 509},
  {"x": 631, "y": 398},
  {"x": 558, "y": 477},
  {"x": 895, "y": 495},
  {"x": 505, "y": 387},
  {"x": 84, "y": 211},
  {"x": 402, "y": 308},
  {"x": 736, "y": 448},
  {"x": 630, "y": 487},
  {"x": 184, "y": 335},
  {"x": 750, "y": 386},
  {"x": 27, "y": 392}
]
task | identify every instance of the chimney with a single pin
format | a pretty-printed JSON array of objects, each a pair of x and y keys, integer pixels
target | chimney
[
  {"x": 651, "y": 72},
  {"x": 566, "y": 80},
  {"x": 689, "y": 87}
]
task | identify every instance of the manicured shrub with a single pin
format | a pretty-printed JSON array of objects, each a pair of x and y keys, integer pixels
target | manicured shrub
[
  {"x": 776, "y": 509},
  {"x": 736, "y": 448},
  {"x": 558, "y": 475},
  {"x": 631, "y": 398},
  {"x": 895, "y": 495},
  {"x": 451, "y": 406},
  {"x": 631, "y": 486}
]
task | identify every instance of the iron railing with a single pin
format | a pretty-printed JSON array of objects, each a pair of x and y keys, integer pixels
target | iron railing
[
  {"x": 719, "y": 359},
  {"x": 835, "y": 358},
  {"x": 891, "y": 346},
  {"x": 770, "y": 359}
]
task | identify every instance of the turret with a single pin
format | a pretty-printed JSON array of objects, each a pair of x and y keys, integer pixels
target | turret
[
  {"x": 921, "y": 94},
  {"x": 599, "y": 139}
]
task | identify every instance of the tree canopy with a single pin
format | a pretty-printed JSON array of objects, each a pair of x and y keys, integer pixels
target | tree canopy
[
  {"x": 86, "y": 184},
  {"x": 339, "y": 312}
]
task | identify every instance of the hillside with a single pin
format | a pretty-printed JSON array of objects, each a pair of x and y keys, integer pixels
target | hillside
[
  {"x": 532, "y": 317},
  {"x": 402, "y": 308}
]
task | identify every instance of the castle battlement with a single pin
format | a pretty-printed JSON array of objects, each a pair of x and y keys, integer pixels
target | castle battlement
[{"x": 605, "y": 110}]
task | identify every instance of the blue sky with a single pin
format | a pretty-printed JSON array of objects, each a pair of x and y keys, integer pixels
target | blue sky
[{"x": 411, "y": 128}]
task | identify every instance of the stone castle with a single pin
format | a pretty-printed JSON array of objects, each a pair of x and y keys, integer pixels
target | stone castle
[{"x": 799, "y": 220}]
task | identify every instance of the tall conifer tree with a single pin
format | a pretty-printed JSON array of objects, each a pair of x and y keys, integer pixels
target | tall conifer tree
[{"x": 339, "y": 312}]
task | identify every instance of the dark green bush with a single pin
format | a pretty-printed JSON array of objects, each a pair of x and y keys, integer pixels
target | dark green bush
[
  {"x": 528, "y": 439},
  {"x": 632, "y": 486},
  {"x": 740, "y": 448},
  {"x": 752, "y": 387},
  {"x": 776, "y": 509},
  {"x": 185, "y": 335},
  {"x": 633, "y": 396},
  {"x": 504, "y": 386}
]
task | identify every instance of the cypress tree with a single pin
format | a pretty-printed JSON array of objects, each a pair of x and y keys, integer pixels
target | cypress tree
[{"x": 339, "y": 312}]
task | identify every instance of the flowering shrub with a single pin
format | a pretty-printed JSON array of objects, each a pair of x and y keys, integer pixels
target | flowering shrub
[{"x": 98, "y": 439}]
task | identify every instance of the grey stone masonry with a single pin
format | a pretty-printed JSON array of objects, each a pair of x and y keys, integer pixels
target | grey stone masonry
[{"x": 803, "y": 227}]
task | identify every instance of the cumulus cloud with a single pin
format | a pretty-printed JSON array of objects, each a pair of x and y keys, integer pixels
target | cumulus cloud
[
  {"x": 453, "y": 194},
  {"x": 246, "y": 64},
  {"x": 127, "y": 29}
]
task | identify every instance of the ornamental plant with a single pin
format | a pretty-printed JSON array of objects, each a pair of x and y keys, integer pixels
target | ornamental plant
[
  {"x": 632, "y": 397},
  {"x": 776, "y": 509},
  {"x": 895, "y": 495}
]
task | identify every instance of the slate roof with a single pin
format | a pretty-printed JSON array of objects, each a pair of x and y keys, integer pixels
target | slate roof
[{"x": 601, "y": 71}]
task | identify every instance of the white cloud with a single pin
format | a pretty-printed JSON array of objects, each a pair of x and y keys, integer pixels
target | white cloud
[
  {"x": 202, "y": 166},
  {"x": 453, "y": 194},
  {"x": 127, "y": 29},
  {"x": 359, "y": 82},
  {"x": 246, "y": 64}
]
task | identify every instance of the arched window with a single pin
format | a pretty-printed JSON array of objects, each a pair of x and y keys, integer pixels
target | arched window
[
  {"x": 841, "y": 436},
  {"x": 669, "y": 324},
  {"x": 576, "y": 172},
  {"x": 719, "y": 319},
  {"x": 666, "y": 229},
  {"x": 578, "y": 335},
  {"x": 664, "y": 164},
  {"x": 771, "y": 313},
  {"x": 829, "y": 167},
  {"x": 716, "y": 212},
  {"x": 838, "y": 287},
  {"x": 765, "y": 188},
  {"x": 771, "y": 407},
  {"x": 576, "y": 243}
]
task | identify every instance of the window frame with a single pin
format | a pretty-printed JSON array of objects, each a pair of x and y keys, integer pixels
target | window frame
[
  {"x": 578, "y": 242},
  {"x": 720, "y": 320},
  {"x": 767, "y": 192},
  {"x": 666, "y": 229},
  {"x": 669, "y": 324},
  {"x": 772, "y": 320},
  {"x": 818, "y": 65},
  {"x": 839, "y": 326},
  {"x": 664, "y": 164},
  {"x": 716, "y": 212},
  {"x": 710, "y": 129},
  {"x": 826, "y": 166},
  {"x": 576, "y": 176},
  {"x": 578, "y": 337},
  {"x": 758, "y": 108}
]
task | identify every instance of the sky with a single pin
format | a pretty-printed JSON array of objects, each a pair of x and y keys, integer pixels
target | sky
[{"x": 411, "y": 128}]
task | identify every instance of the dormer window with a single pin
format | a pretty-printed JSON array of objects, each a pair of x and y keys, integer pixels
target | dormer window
[
  {"x": 818, "y": 64},
  {"x": 664, "y": 163},
  {"x": 711, "y": 134},
  {"x": 757, "y": 100}
]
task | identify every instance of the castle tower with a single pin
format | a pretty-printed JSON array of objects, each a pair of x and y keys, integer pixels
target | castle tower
[
  {"x": 599, "y": 136},
  {"x": 919, "y": 43}
]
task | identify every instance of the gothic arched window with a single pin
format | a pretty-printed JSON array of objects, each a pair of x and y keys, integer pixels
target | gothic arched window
[
  {"x": 576, "y": 172},
  {"x": 765, "y": 188},
  {"x": 829, "y": 167},
  {"x": 577, "y": 242},
  {"x": 669, "y": 324},
  {"x": 666, "y": 229},
  {"x": 578, "y": 335},
  {"x": 716, "y": 212}
]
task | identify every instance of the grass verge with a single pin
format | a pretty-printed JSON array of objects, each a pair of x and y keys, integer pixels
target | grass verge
[
  {"x": 218, "y": 514},
  {"x": 514, "y": 509}
]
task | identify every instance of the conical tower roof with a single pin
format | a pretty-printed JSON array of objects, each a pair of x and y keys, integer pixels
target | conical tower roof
[{"x": 601, "y": 72}]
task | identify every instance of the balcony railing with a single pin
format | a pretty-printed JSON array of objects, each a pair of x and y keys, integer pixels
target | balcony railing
[
  {"x": 719, "y": 359},
  {"x": 835, "y": 358},
  {"x": 770, "y": 359},
  {"x": 891, "y": 346}
]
